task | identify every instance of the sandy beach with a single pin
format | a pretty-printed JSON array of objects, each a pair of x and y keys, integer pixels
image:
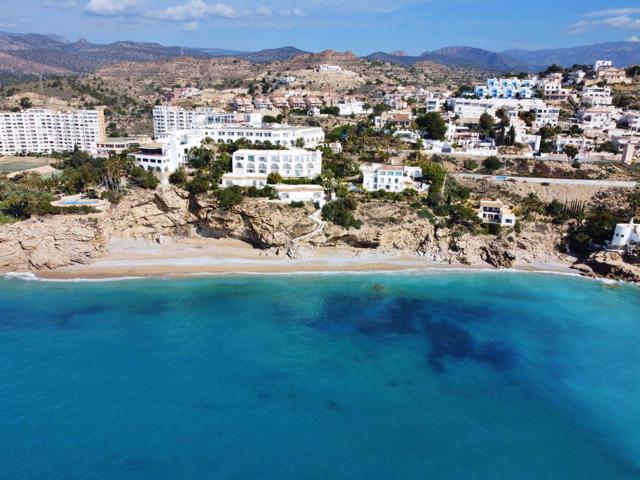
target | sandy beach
[{"x": 140, "y": 258}]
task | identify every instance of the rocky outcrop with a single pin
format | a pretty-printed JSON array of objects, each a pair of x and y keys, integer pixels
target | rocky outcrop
[
  {"x": 50, "y": 243},
  {"x": 151, "y": 214},
  {"x": 613, "y": 265},
  {"x": 256, "y": 221}
]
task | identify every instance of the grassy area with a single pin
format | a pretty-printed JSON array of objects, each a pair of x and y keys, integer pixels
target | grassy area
[
  {"x": 4, "y": 217},
  {"x": 17, "y": 166}
]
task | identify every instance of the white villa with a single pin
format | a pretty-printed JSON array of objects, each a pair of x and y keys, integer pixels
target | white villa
[
  {"x": 392, "y": 178},
  {"x": 624, "y": 234},
  {"x": 494, "y": 211}
]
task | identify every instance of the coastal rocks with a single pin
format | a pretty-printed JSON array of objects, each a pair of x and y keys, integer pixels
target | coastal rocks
[
  {"x": 151, "y": 214},
  {"x": 613, "y": 265},
  {"x": 39, "y": 244},
  {"x": 261, "y": 223},
  {"x": 497, "y": 255}
]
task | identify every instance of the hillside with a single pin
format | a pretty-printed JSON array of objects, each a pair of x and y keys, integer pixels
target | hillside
[{"x": 621, "y": 53}]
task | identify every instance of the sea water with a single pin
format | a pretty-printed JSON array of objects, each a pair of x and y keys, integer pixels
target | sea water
[{"x": 377, "y": 376}]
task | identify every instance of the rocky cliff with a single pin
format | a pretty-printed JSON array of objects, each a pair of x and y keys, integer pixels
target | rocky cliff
[{"x": 167, "y": 212}]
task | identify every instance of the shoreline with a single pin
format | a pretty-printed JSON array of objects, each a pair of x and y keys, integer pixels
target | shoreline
[{"x": 138, "y": 259}]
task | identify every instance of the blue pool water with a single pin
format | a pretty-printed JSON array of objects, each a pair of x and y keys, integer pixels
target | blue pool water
[{"x": 451, "y": 376}]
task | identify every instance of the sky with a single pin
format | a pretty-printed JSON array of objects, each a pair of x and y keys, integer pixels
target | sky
[{"x": 361, "y": 26}]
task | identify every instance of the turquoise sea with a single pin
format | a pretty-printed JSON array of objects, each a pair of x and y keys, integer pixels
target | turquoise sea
[{"x": 453, "y": 376}]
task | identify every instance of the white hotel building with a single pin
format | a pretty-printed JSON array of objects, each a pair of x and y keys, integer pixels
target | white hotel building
[
  {"x": 284, "y": 135},
  {"x": 251, "y": 167},
  {"x": 45, "y": 131},
  {"x": 168, "y": 154}
]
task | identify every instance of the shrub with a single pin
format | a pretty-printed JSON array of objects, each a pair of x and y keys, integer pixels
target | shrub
[
  {"x": 179, "y": 177},
  {"x": 296, "y": 204},
  {"x": 340, "y": 212},
  {"x": 230, "y": 196},
  {"x": 492, "y": 163},
  {"x": 470, "y": 164},
  {"x": 274, "y": 178}
]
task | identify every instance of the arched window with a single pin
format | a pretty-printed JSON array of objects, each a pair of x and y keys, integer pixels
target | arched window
[
  {"x": 286, "y": 169},
  {"x": 275, "y": 167},
  {"x": 251, "y": 168},
  {"x": 262, "y": 168},
  {"x": 310, "y": 167},
  {"x": 239, "y": 165},
  {"x": 298, "y": 170}
]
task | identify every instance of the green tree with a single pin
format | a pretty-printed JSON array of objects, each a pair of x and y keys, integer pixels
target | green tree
[
  {"x": 433, "y": 124},
  {"x": 25, "y": 103},
  {"x": 492, "y": 163},
  {"x": 486, "y": 124},
  {"x": 571, "y": 151}
]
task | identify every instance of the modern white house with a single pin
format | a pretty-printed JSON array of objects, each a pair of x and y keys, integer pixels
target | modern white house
[
  {"x": 494, "y": 211},
  {"x": 354, "y": 107},
  {"x": 391, "y": 178},
  {"x": 330, "y": 68},
  {"x": 546, "y": 116},
  {"x": 40, "y": 130},
  {"x": 300, "y": 193},
  {"x": 597, "y": 96},
  {"x": 602, "y": 64},
  {"x": 596, "y": 118},
  {"x": 624, "y": 235}
]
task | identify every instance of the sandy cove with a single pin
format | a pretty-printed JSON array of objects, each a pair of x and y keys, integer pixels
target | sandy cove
[{"x": 141, "y": 258}]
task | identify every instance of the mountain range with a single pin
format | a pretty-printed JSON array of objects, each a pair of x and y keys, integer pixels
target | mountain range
[{"x": 35, "y": 54}]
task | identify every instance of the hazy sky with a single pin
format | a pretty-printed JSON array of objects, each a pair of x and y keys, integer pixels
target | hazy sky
[{"x": 362, "y": 26}]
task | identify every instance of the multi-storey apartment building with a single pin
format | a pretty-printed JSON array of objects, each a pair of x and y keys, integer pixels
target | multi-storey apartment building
[
  {"x": 40, "y": 130},
  {"x": 168, "y": 119}
]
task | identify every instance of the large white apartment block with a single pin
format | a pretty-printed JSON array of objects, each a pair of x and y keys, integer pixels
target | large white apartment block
[
  {"x": 277, "y": 134},
  {"x": 391, "y": 178},
  {"x": 168, "y": 119},
  {"x": 506, "y": 88},
  {"x": 39, "y": 130},
  {"x": 597, "y": 96},
  {"x": 546, "y": 116}
]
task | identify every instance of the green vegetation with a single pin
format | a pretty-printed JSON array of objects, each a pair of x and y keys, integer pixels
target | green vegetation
[
  {"x": 492, "y": 163},
  {"x": 340, "y": 212},
  {"x": 433, "y": 125}
]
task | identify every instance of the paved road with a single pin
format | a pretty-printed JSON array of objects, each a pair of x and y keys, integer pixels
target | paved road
[{"x": 559, "y": 181}]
